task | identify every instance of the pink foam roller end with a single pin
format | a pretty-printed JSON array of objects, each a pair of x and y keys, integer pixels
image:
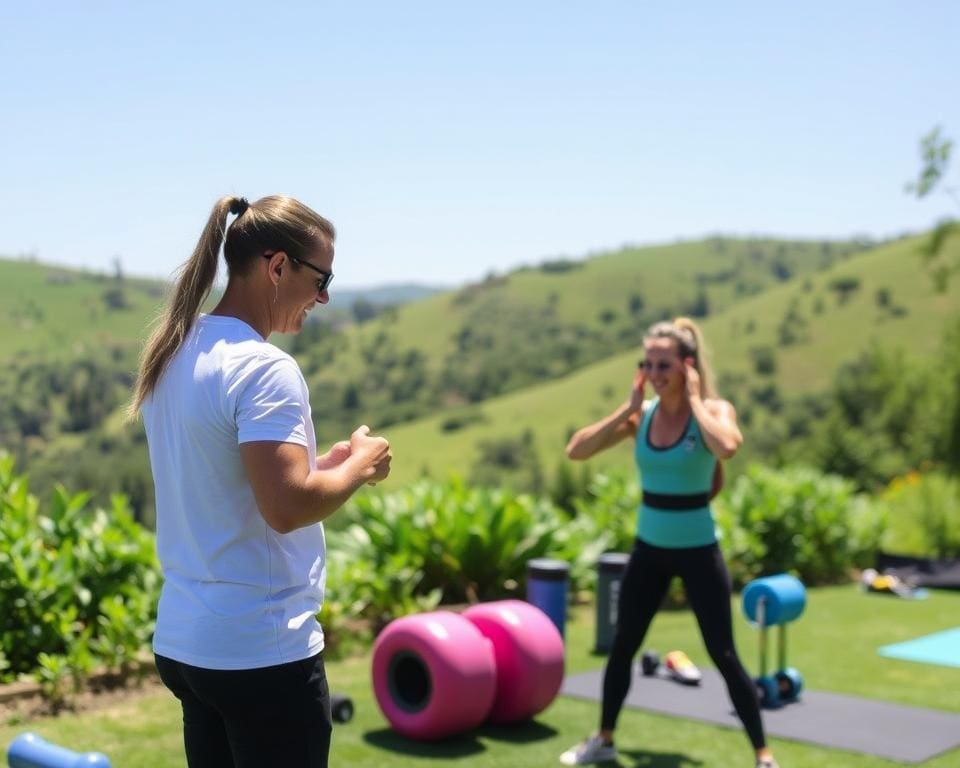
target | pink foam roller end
[
  {"x": 433, "y": 675},
  {"x": 528, "y": 650}
]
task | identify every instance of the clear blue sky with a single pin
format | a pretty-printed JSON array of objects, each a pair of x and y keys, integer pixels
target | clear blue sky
[{"x": 445, "y": 140}]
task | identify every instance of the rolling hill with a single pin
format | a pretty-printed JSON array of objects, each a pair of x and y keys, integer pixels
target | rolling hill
[
  {"x": 895, "y": 303},
  {"x": 536, "y": 352}
]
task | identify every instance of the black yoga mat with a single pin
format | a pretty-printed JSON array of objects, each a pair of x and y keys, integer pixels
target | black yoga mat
[{"x": 893, "y": 731}]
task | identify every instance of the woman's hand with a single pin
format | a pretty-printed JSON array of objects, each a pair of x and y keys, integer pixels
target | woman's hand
[
  {"x": 636, "y": 394},
  {"x": 609, "y": 431}
]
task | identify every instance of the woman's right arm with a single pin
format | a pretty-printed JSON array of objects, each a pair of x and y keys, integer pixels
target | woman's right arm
[{"x": 607, "y": 432}]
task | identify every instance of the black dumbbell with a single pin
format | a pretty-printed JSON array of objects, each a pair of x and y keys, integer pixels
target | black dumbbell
[
  {"x": 649, "y": 663},
  {"x": 341, "y": 708},
  {"x": 789, "y": 683}
]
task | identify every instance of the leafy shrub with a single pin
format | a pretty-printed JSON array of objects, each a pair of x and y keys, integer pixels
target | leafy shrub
[
  {"x": 508, "y": 461},
  {"x": 606, "y": 517},
  {"x": 924, "y": 514},
  {"x": 607, "y": 513},
  {"x": 844, "y": 287},
  {"x": 461, "y": 418},
  {"x": 78, "y": 586},
  {"x": 768, "y": 396},
  {"x": 442, "y": 541},
  {"x": 888, "y": 414},
  {"x": 798, "y": 520},
  {"x": 764, "y": 360}
]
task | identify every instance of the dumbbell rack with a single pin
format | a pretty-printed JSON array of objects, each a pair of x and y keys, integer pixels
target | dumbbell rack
[
  {"x": 775, "y": 600},
  {"x": 786, "y": 683}
]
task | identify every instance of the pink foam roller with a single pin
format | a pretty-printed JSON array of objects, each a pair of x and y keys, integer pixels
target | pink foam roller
[
  {"x": 528, "y": 650},
  {"x": 433, "y": 675}
]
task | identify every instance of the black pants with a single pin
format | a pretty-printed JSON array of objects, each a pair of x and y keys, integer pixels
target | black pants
[
  {"x": 253, "y": 718},
  {"x": 707, "y": 584}
]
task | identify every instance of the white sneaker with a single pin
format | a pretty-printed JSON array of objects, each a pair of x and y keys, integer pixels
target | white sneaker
[
  {"x": 768, "y": 763},
  {"x": 681, "y": 669},
  {"x": 593, "y": 750}
]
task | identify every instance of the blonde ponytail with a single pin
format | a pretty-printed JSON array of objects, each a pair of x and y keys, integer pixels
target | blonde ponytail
[
  {"x": 192, "y": 288},
  {"x": 700, "y": 356},
  {"x": 690, "y": 343}
]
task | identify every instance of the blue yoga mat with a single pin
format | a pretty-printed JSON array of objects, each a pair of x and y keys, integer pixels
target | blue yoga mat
[{"x": 939, "y": 648}]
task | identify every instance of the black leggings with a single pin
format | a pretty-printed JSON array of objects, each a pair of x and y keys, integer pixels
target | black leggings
[
  {"x": 707, "y": 583},
  {"x": 251, "y": 718}
]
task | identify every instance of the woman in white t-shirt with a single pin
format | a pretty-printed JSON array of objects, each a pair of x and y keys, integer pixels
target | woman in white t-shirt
[{"x": 241, "y": 493}]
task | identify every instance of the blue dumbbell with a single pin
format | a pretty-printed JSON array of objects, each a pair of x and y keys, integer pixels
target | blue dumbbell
[
  {"x": 775, "y": 601},
  {"x": 30, "y": 751},
  {"x": 768, "y": 691},
  {"x": 789, "y": 684}
]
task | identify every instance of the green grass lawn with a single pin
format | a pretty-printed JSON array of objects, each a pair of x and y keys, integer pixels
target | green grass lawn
[{"x": 834, "y": 645}]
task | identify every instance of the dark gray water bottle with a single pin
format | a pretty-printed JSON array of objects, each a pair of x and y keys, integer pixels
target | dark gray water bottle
[{"x": 610, "y": 569}]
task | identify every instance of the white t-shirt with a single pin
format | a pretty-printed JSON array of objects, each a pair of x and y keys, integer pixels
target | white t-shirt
[{"x": 236, "y": 594}]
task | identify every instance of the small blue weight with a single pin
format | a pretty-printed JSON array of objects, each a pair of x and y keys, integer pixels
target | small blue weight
[
  {"x": 784, "y": 597},
  {"x": 789, "y": 684},
  {"x": 768, "y": 691},
  {"x": 30, "y": 751}
]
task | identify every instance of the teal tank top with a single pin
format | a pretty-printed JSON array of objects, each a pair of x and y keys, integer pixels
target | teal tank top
[{"x": 676, "y": 480}]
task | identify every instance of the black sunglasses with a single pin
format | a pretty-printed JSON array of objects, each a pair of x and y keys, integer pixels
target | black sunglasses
[
  {"x": 323, "y": 282},
  {"x": 661, "y": 367}
]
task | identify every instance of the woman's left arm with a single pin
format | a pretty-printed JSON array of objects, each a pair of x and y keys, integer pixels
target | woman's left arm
[{"x": 717, "y": 419}]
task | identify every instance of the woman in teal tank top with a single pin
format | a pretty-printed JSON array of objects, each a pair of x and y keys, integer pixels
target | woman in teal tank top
[{"x": 681, "y": 434}]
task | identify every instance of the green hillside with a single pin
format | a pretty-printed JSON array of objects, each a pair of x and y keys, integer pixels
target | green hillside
[
  {"x": 828, "y": 330},
  {"x": 525, "y": 356},
  {"x": 595, "y": 295},
  {"x": 49, "y": 310},
  {"x": 513, "y": 331},
  {"x": 52, "y": 311}
]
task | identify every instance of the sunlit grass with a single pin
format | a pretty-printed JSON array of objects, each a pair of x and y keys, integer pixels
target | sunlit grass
[{"x": 834, "y": 645}]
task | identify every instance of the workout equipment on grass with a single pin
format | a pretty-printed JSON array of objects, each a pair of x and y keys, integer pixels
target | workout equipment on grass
[
  {"x": 775, "y": 601},
  {"x": 30, "y": 751},
  {"x": 440, "y": 673},
  {"x": 649, "y": 663},
  {"x": 610, "y": 569},
  {"x": 547, "y": 588},
  {"x": 676, "y": 665},
  {"x": 681, "y": 669},
  {"x": 341, "y": 708}
]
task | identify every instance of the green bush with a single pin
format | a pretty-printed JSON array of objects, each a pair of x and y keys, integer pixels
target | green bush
[
  {"x": 797, "y": 520},
  {"x": 924, "y": 514},
  {"x": 607, "y": 519},
  {"x": 469, "y": 543},
  {"x": 434, "y": 542},
  {"x": 607, "y": 513},
  {"x": 78, "y": 586}
]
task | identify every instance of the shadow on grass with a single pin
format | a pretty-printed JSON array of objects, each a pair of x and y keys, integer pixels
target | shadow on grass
[
  {"x": 522, "y": 733},
  {"x": 459, "y": 746},
  {"x": 639, "y": 758}
]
